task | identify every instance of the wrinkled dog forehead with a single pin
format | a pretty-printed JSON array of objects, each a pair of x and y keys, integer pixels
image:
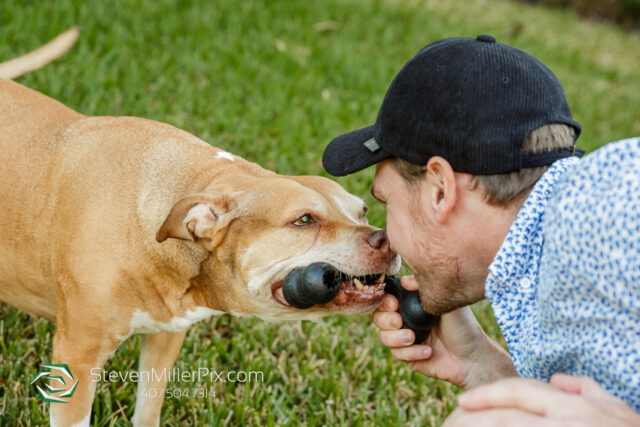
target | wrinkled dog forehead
[
  {"x": 338, "y": 198},
  {"x": 289, "y": 196},
  {"x": 350, "y": 206},
  {"x": 327, "y": 187}
]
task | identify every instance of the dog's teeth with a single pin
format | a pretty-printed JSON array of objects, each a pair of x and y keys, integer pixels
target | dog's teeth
[
  {"x": 381, "y": 278},
  {"x": 358, "y": 283}
]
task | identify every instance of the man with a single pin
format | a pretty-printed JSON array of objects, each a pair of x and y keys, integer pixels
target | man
[{"x": 486, "y": 197}]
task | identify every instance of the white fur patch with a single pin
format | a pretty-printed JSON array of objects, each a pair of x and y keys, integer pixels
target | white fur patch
[
  {"x": 224, "y": 155},
  {"x": 82, "y": 423},
  {"x": 346, "y": 205},
  {"x": 141, "y": 321},
  {"x": 142, "y": 399}
]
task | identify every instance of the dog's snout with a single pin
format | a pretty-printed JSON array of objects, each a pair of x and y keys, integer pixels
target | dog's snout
[{"x": 378, "y": 240}]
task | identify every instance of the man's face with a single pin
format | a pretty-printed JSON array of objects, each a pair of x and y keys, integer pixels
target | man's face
[{"x": 429, "y": 248}]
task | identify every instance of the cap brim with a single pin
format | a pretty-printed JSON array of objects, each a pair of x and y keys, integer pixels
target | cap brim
[{"x": 347, "y": 153}]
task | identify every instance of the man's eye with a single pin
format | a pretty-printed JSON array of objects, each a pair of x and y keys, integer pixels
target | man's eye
[{"x": 303, "y": 220}]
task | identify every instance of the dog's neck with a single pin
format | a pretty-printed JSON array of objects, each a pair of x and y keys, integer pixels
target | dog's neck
[{"x": 197, "y": 277}]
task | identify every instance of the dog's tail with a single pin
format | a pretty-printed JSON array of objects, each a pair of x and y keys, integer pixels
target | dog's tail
[{"x": 41, "y": 56}]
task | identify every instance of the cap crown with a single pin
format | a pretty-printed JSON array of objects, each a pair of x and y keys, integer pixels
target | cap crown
[{"x": 471, "y": 101}]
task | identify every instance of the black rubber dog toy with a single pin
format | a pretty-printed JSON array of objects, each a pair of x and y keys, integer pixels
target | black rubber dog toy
[
  {"x": 317, "y": 283},
  {"x": 413, "y": 315}
]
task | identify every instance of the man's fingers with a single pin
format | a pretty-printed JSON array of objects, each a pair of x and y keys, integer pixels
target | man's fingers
[
  {"x": 387, "y": 321},
  {"x": 409, "y": 283},
  {"x": 567, "y": 383},
  {"x": 389, "y": 303},
  {"x": 413, "y": 353},
  {"x": 529, "y": 395},
  {"x": 584, "y": 386},
  {"x": 396, "y": 338},
  {"x": 495, "y": 417}
]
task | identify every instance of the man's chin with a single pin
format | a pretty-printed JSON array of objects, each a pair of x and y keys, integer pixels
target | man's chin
[
  {"x": 442, "y": 300},
  {"x": 440, "y": 309}
]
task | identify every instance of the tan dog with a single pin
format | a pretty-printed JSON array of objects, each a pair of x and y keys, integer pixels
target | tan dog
[{"x": 115, "y": 226}]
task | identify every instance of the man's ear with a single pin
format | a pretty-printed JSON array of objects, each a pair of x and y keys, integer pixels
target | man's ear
[
  {"x": 198, "y": 217},
  {"x": 444, "y": 187}
]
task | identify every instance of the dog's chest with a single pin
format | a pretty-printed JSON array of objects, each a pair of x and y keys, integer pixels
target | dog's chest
[{"x": 141, "y": 321}]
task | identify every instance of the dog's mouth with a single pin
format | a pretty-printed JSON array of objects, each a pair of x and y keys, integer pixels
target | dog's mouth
[{"x": 354, "y": 290}]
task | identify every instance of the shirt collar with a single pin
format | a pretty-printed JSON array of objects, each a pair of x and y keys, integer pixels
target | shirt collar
[{"x": 512, "y": 258}]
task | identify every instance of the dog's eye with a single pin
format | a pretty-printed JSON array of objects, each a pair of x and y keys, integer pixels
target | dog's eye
[
  {"x": 303, "y": 220},
  {"x": 364, "y": 215}
]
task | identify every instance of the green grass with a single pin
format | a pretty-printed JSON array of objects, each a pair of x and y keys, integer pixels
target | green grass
[{"x": 266, "y": 81}]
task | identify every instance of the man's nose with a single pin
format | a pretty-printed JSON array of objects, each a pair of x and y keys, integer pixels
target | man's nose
[{"x": 378, "y": 240}]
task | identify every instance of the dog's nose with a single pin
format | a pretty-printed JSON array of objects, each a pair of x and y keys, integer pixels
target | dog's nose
[{"x": 378, "y": 240}]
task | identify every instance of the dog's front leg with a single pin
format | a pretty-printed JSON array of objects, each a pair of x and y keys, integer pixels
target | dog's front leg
[
  {"x": 158, "y": 352},
  {"x": 84, "y": 349}
]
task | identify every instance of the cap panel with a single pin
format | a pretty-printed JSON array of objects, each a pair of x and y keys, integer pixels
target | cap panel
[
  {"x": 413, "y": 125},
  {"x": 471, "y": 101}
]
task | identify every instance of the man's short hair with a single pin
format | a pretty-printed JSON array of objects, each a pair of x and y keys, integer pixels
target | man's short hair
[{"x": 505, "y": 189}]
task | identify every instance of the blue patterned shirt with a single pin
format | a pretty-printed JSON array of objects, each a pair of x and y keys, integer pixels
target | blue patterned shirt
[{"x": 565, "y": 284}]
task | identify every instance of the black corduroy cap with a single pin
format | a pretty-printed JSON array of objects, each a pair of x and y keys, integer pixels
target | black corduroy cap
[{"x": 471, "y": 101}]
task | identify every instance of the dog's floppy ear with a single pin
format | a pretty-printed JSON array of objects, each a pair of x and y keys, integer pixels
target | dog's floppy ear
[{"x": 198, "y": 217}]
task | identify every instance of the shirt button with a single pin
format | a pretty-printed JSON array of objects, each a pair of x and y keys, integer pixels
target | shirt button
[{"x": 526, "y": 283}]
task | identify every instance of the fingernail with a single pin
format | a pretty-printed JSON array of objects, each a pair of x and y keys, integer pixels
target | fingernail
[
  {"x": 426, "y": 352},
  {"x": 407, "y": 339},
  {"x": 397, "y": 323}
]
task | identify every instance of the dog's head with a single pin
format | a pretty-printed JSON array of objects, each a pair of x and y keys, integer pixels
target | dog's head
[{"x": 268, "y": 227}]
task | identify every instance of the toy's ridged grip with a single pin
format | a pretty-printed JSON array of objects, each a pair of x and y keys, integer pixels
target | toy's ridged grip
[
  {"x": 413, "y": 315},
  {"x": 316, "y": 284}
]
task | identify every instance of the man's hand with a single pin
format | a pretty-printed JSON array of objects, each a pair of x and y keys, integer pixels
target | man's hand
[
  {"x": 457, "y": 349},
  {"x": 578, "y": 401}
]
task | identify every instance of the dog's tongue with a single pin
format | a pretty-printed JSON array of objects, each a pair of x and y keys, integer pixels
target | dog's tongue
[{"x": 278, "y": 295}]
